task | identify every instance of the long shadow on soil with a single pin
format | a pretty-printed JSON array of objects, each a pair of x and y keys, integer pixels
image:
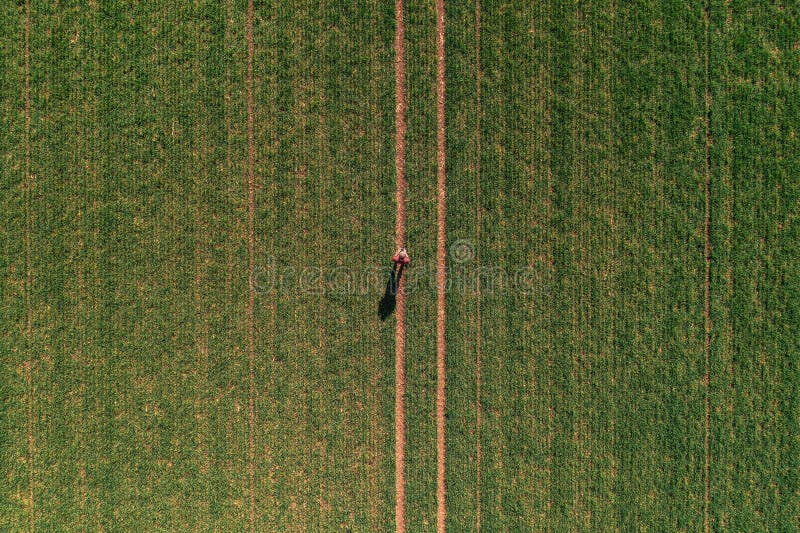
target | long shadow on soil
[{"x": 389, "y": 301}]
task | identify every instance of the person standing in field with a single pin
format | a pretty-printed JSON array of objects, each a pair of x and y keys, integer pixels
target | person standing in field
[
  {"x": 387, "y": 304},
  {"x": 401, "y": 258}
]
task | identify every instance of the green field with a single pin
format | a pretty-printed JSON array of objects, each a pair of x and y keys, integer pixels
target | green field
[{"x": 621, "y": 378}]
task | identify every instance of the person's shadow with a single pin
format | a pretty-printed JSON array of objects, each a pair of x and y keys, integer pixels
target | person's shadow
[{"x": 389, "y": 301}]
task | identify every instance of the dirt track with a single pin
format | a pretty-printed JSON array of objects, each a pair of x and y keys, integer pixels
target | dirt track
[
  {"x": 441, "y": 257},
  {"x": 28, "y": 272},
  {"x": 400, "y": 237},
  {"x": 478, "y": 408},
  {"x": 707, "y": 285},
  {"x": 251, "y": 255}
]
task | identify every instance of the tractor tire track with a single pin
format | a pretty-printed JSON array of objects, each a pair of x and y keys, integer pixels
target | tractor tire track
[
  {"x": 441, "y": 258},
  {"x": 200, "y": 279},
  {"x": 707, "y": 281},
  {"x": 400, "y": 236},
  {"x": 478, "y": 406},
  {"x": 251, "y": 259},
  {"x": 29, "y": 271}
]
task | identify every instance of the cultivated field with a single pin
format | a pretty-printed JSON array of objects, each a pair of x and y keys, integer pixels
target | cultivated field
[{"x": 200, "y": 199}]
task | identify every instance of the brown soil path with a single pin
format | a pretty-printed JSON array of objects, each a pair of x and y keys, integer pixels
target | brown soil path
[
  {"x": 400, "y": 237},
  {"x": 251, "y": 153},
  {"x": 707, "y": 282},
  {"x": 441, "y": 257},
  {"x": 28, "y": 264},
  {"x": 200, "y": 261},
  {"x": 478, "y": 406}
]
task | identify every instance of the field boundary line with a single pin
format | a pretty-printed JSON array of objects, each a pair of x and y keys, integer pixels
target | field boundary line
[
  {"x": 441, "y": 259},
  {"x": 551, "y": 273},
  {"x": 707, "y": 278},
  {"x": 28, "y": 268},
  {"x": 251, "y": 257},
  {"x": 400, "y": 236},
  {"x": 201, "y": 331},
  {"x": 478, "y": 377}
]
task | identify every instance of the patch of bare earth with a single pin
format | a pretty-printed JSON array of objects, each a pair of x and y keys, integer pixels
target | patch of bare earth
[
  {"x": 441, "y": 255},
  {"x": 400, "y": 236},
  {"x": 478, "y": 210},
  {"x": 28, "y": 267},
  {"x": 707, "y": 284},
  {"x": 251, "y": 256},
  {"x": 200, "y": 262}
]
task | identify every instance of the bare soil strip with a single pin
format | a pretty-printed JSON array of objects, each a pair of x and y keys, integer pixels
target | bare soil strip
[
  {"x": 400, "y": 237},
  {"x": 441, "y": 257},
  {"x": 251, "y": 156},
  {"x": 28, "y": 264},
  {"x": 707, "y": 282},
  {"x": 478, "y": 407},
  {"x": 201, "y": 331}
]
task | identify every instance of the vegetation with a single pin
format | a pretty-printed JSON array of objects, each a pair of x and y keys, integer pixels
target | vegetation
[{"x": 589, "y": 146}]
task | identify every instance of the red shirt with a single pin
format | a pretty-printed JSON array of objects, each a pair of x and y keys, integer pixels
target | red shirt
[{"x": 401, "y": 261}]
